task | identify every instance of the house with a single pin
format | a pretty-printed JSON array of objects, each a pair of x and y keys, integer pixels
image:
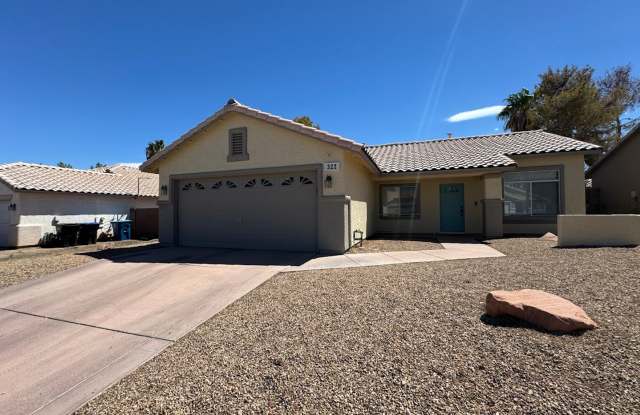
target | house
[
  {"x": 34, "y": 198},
  {"x": 244, "y": 178},
  {"x": 615, "y": 178}
]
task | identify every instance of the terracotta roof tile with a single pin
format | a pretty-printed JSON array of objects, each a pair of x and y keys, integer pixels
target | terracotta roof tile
[
  {"x": 470, "y": 152},
  {"x": 122, "y": 181}
]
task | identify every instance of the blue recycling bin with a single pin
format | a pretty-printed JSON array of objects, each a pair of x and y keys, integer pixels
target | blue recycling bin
[{"x": 122, "y": 230}]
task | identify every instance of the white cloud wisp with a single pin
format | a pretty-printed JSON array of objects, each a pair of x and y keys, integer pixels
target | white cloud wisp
[{"x": 477, "y": 113}]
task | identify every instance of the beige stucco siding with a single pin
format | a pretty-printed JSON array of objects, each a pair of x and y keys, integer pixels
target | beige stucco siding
[
  {"x": 360, "y": 187},
  {"x": 429, "y": 220},
  {"x": 618, "y": 176},
  {"x": 573, "y": 190},
  {"x": 268, "y": 146}
]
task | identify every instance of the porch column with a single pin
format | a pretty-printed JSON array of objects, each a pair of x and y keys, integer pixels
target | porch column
[{"x": 492, "y": 206}]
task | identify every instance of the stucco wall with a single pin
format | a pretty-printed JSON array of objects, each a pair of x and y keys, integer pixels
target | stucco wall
[
  {"x": 271, "y": 146},
  {"x": 37, "y": 212},
  {"x": 573, "y": 193},
  {"x": 5, "y": 190},
  {"x": 618, "y": 176},
  {"x": 429, "y": 221},
  {"x": 268, "y": 146},
  {"x": 598, "y": 230},
  {"x": 360, "y": 187}
]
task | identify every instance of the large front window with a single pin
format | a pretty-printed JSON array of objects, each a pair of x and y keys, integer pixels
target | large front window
[
  {"x": 399, "y": 201},
  {"x": 532, "y": 193}
]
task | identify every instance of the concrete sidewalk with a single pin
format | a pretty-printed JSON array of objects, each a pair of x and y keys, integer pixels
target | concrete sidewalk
[{"x": 451, "y": 250}]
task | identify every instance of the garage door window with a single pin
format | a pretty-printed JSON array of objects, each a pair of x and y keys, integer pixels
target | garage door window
[{"x": 287, "y": 182}]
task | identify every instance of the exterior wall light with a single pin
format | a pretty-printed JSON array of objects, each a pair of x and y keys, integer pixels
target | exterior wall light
[
  {"x": 164, "y": 190},
  {"x": 328, "y": 181},
  {"x": 12, "y": 206}
]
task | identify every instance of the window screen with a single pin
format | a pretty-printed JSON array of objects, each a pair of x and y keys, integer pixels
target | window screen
[
  {"x": 399, "y": 201},
  {"x": 532, "y": 193}
]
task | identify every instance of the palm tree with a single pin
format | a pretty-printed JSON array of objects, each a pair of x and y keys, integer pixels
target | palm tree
[
  {"x": 153, "y": 147},
  {"x": 516, "y": 114}
]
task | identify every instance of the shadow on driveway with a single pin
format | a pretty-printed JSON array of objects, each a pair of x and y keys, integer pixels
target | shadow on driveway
[{"x": 202, "y": 256}]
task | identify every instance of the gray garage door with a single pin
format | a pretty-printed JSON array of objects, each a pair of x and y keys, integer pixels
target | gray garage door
[
  {"x": 4, "y": 223},
  {"x": 249, "y": 212}
]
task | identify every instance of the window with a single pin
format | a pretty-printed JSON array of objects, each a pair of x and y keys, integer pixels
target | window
[
  {"x": 287, "y": 182},
  {"x": 238, "y": 144},
  {"x": 399, "y": 201},
  {"x": 532, "y": 193}
]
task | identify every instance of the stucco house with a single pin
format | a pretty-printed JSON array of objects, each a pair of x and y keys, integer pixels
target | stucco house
[
  {"x": 35, "y": 197},
  {"x": 244, "y": 178},
  {"x": 615, "y": 178}
]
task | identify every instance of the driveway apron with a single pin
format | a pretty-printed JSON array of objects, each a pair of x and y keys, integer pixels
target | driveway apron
[{"x": 66, "y": 337}]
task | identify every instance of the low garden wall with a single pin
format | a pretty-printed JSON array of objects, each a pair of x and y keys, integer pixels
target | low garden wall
[{"x": 598, "y": 230}]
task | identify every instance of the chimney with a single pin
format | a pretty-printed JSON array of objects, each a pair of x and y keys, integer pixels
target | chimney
[{"x": 449, "y": 135}]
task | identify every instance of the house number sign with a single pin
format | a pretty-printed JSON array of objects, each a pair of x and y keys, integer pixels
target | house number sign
[{"x": 332, "y": 166}]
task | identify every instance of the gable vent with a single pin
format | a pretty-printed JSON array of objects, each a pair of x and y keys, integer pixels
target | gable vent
[{"x": 237, "y": 143}]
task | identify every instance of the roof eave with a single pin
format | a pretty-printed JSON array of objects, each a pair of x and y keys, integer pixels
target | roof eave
[
  {"x": 148, "y": 166},
  {"x": 462, "y": 170},
  {"x": 625, "y": 139}
]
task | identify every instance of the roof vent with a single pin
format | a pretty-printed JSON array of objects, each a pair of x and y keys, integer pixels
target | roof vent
[
  {"x": 449, "y": 135},
  {"x": 232, "y": 101}
]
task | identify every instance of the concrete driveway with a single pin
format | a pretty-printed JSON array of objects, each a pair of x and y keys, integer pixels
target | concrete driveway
[{"x": 66, "y": 337}]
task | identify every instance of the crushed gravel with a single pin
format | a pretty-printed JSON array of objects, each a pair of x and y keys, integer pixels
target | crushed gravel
[
  {"x": 387, "y": 244},
  {"x": 19, "y": 265},
  {"x": 406, "y": 338}
]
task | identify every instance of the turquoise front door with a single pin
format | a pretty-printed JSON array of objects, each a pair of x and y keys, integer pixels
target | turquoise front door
[{"x": 452, "y": 207}]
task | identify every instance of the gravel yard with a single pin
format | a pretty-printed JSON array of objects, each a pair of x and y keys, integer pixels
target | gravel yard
[
  {"x": 19, "y": 265},
  {"x": 389, "y": 244},
  {"x": 406, "y": 338}
]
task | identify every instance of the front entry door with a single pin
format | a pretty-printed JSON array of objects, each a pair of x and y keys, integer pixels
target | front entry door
[{"x": 452, "y": 207}]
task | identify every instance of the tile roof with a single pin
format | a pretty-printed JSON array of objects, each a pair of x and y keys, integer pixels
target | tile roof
[
  {"x": 470, "y": 152},
  {"x": 234, "y": 106},
  {"x": 124, "y": 181}
]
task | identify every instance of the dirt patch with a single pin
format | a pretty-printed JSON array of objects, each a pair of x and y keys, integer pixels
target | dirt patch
[
  {"x": 389, "y": 244},
  {"x": 19, "y": 265},
  {"x": 407, "y": 338}
]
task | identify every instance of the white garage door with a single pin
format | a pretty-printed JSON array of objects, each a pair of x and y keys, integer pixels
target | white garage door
[{"x": 276, "y": 212}]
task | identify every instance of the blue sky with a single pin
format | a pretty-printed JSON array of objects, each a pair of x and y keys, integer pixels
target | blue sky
[{"x": 95, "y": 81}]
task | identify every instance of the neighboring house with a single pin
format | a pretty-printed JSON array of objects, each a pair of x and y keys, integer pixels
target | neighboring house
[
  {"x": 244, "y": 178},
  {"x": 35, "y": 197},
  {"x": 615, "y": 178}
]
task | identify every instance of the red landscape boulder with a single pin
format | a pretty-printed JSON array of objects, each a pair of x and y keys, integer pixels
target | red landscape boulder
[{"x": 539, "y": 308}]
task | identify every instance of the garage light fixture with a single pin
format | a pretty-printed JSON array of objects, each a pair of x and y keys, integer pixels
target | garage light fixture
[
  {"x": 328, "y": 181},
  {"x": 12, "y": 206}
]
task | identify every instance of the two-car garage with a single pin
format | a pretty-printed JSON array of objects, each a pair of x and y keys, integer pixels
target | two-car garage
[{"x": 249, "y": 211}]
